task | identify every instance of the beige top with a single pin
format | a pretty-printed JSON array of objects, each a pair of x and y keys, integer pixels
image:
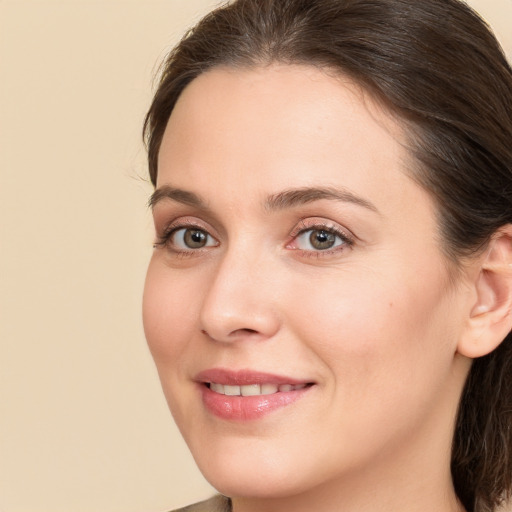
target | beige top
[{"x": 218, "y": 503}]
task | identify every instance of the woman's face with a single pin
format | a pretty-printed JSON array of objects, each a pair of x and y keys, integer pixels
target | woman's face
[{"x": 297, "y": 304}]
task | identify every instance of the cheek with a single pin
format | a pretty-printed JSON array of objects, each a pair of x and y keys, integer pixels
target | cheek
[
  {"x": 168, "y": 313},
  {"x": 375, "y": 332}
]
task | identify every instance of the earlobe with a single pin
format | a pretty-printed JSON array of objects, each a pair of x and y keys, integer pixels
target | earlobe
[{"x": 490, "y": 318}]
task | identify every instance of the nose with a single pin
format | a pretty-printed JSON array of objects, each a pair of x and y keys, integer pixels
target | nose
[{"x": 240, "y": 302}]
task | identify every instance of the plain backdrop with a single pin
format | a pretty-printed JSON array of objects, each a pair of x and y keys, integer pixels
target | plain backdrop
[{"x": 83, "y": 423}]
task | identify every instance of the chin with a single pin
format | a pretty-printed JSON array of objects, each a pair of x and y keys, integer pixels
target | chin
[
  {"x": 252, "y": 483},
  {"x": 260, "y": 469}
]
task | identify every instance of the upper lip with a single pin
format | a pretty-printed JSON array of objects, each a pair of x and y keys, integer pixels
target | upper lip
[{"x": 245, "y": 377}]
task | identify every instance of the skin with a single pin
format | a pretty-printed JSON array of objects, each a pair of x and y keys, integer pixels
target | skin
[{"x": 375, "y": 322}]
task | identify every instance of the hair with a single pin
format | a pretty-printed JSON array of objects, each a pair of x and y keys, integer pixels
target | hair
[{"x": 436, "y": 66}]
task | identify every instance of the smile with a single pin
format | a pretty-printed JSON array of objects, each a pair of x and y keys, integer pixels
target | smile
[
  {"x": 248, "y": 395},
  {"x": 253, "y": 389}
]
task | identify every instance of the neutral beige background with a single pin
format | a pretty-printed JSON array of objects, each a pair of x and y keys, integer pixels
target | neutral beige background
[{"x": 83, "y": 424}]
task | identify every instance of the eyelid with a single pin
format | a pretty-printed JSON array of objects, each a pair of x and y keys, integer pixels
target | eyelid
[
  {"x": 165, "y": 234},
  {"x": 321, "y": 223},
  {"x": 315, "y": 223}
]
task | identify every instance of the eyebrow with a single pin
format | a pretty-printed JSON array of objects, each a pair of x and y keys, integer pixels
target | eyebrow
[
  {"x": 176, "y": 194},
  {"x": 299, "y": 196},
  {"x": 283, "y": 200}
]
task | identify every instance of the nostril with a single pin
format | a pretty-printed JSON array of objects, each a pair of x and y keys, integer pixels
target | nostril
[
  {"x": 237, "y": 333},
  {"x": 245, "y": 331}
]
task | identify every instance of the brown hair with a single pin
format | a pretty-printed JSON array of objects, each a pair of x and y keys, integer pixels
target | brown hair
[{"x": 437, "y": 66}]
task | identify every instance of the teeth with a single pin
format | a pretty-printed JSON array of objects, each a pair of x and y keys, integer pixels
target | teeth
[
  {"x": 268, "y": 389},
  {"x": 253, "y": 389},
  {"x": 232, "y": 390},
  {"x": 218, "y": 388}
]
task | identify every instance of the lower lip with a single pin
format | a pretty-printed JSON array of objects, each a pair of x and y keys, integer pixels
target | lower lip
[{"x": 247, "y": 408}]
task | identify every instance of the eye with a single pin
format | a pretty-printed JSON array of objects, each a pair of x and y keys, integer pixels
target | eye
[
  {"x": 320, "y": 239},
  {"x": 191, "y": 238},
  {"x": 185, "y": 238}
]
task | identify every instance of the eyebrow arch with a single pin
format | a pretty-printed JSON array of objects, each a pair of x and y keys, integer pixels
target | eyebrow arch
[
  {"x": 280, "y": 201},
  {"x": 299, "y": 196},
  {"x": 176, "y": 194}
]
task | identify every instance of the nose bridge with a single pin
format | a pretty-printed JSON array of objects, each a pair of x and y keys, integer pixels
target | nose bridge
[{"x": 239, "y": 301}]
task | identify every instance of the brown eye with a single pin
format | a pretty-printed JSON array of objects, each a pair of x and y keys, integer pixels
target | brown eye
[
  {"x": 194, "y": 238},
  {"x": 321, "y": 240},
  {"x": 318, "y": 239},
  {"x": 191, "y": 238}
]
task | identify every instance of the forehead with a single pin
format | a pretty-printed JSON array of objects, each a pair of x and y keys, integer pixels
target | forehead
[{"x": 273, "y": 127}]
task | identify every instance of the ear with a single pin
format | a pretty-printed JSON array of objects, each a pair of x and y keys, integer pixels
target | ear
[{"x": 490, "y": 318}]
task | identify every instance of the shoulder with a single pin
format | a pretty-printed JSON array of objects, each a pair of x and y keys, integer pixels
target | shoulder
[{"x": 216, "y": 504}]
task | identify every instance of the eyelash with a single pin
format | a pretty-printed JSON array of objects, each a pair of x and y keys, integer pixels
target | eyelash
[
  {"x": 304, "y": 227},
  {"x": 164, "y": 240},
  {"x": 347, "y": 241}
]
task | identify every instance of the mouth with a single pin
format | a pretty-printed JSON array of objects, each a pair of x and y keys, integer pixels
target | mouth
[
  {"x": 248, "y": 395},
  {"x": 254, "y": 389}
]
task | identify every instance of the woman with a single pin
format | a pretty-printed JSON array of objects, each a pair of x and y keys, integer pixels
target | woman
[{"x": 329, "y": 300}]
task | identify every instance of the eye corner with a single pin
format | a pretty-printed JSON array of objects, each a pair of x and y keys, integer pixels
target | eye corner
[
  {"x": 184, "y": 237},
  {"x": 319, "y": 238}
]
